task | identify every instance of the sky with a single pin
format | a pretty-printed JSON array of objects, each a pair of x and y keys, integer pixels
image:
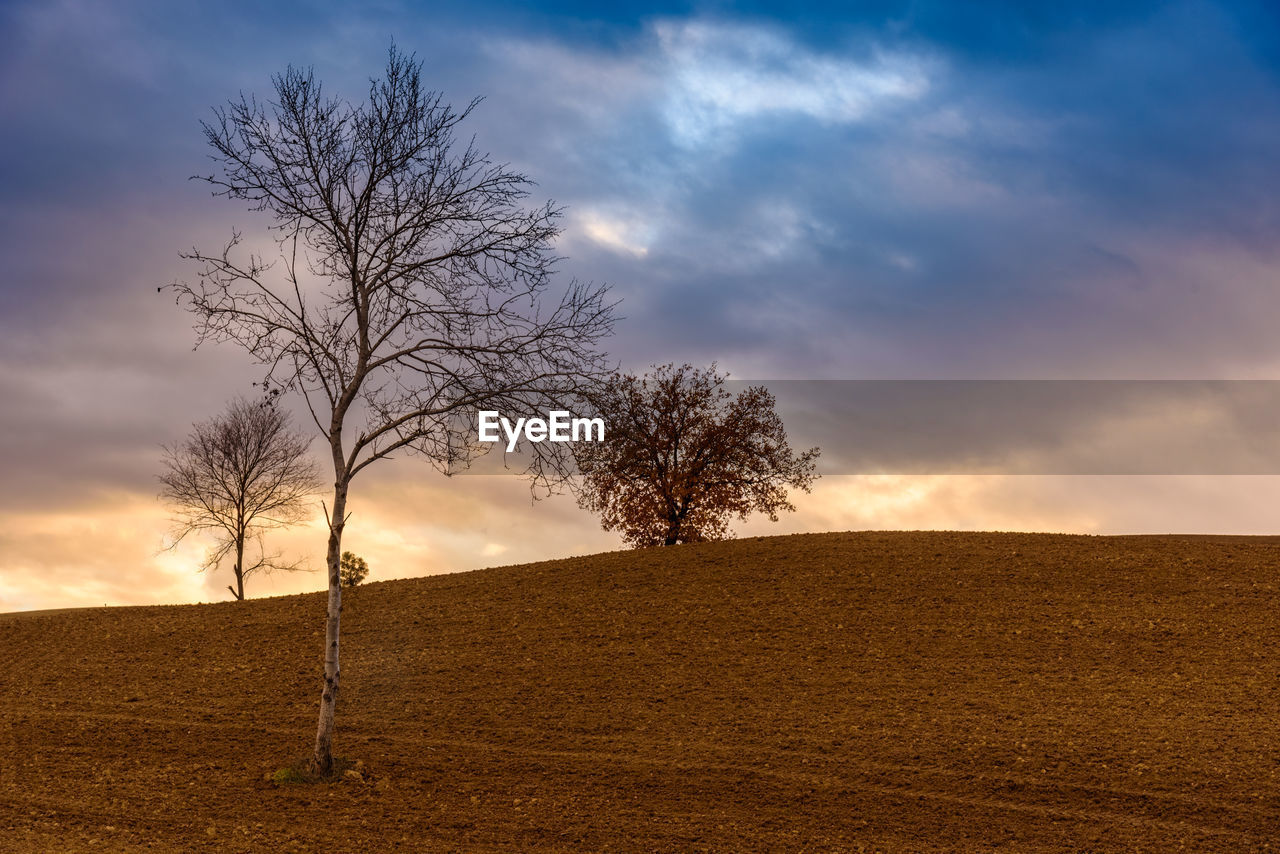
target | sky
[{"x": 898, "y": 191}]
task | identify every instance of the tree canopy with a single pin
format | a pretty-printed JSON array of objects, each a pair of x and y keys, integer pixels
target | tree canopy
[{"x": 682, "y": 457}]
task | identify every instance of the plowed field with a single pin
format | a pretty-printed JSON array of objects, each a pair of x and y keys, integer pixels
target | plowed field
[{"x": 840, "y": 692}]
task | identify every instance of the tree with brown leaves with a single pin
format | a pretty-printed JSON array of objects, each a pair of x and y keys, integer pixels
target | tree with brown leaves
[
  {"x": 408, "y": 289},
  {"x": 238, "y": 475},
  {"x": 682, "y": 456}
]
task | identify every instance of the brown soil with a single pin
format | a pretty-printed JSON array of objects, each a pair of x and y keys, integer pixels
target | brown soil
[{"x": 842, "y": 692}]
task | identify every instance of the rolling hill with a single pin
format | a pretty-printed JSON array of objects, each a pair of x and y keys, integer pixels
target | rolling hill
[{"x": 837, "y": 692}]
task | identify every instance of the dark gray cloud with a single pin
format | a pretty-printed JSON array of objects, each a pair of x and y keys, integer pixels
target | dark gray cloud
[
  {"x": 911, "y": 183},
  {"x": 1015, "y": 218}
]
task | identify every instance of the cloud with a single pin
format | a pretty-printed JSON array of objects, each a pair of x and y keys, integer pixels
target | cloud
[
  {"x": 1071, "y": 504},
  {"x": 898, "y": 196},
  {"x": 720, "y": 75},
  {"x": 406, "y": 521},
  {"x": 107, "y": 551},
  {"x": 628, "y": 234}
]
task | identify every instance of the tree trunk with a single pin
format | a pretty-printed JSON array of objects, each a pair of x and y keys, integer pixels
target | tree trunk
[
  {"x": 239, "y": 591},
  {"x": 332, "y": 673},
  {"x": 675, "y": 521},
  {"x": 673, "y": 531}
]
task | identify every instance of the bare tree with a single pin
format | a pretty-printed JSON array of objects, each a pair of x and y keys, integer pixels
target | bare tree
[
  {"x": 236, "y": 476},
  {"x": 684, "y": 456},
  {"x": 407, "y": 288}
]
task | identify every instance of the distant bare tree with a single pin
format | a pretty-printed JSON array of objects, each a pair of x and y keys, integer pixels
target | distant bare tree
[
  {"x": 407, "y": 291},
  {"x": 236, "y": 476},
  {"x": 682, "y": 456}
]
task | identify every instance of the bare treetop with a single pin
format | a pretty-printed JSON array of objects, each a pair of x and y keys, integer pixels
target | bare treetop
[
  {"x": 402, "y": 252},
  {"x": 236, "y": 476}
]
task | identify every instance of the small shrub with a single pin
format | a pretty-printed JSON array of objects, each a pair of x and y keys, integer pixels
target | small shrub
[
  {"x": 303, "y": 772},
  {"x": 286, "y": 776},
  {"x": 352, "y": 570}
]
